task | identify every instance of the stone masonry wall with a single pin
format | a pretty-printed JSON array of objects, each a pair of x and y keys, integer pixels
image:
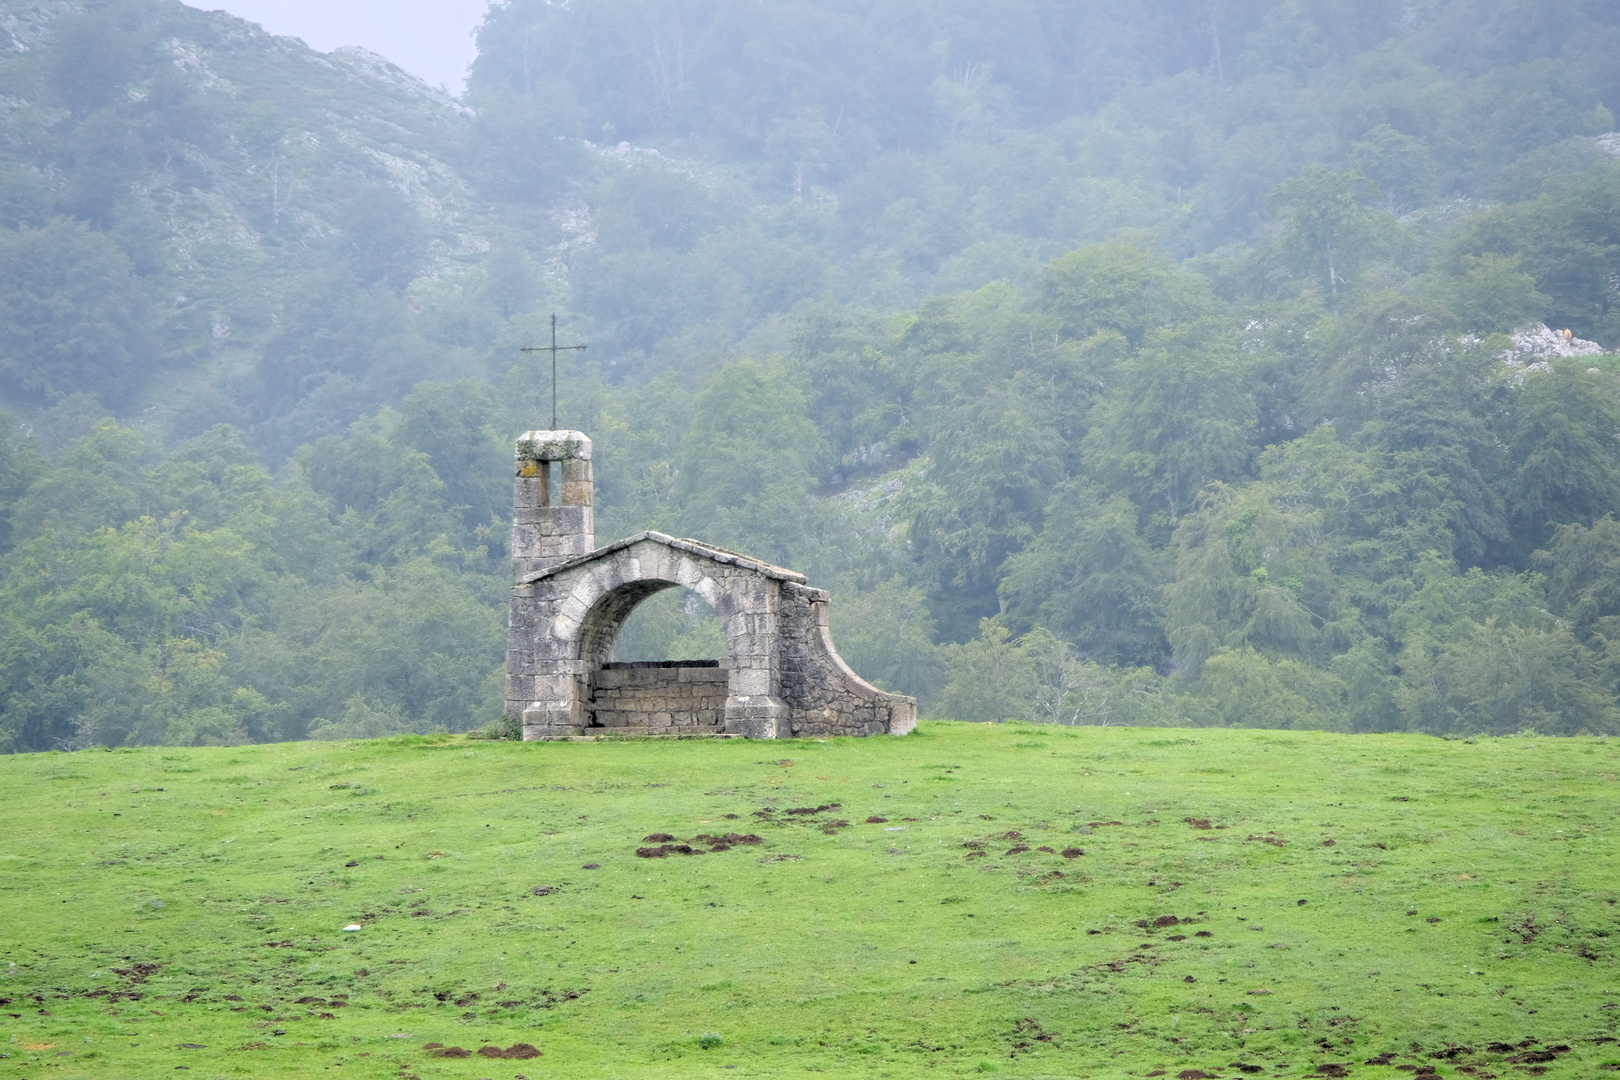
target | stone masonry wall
[
  {"x": 566, "y": 617},
  {"x": 823, "y": 695},
  {"x": 675, "y": 697},
  {"x": 549, "y": 525}
]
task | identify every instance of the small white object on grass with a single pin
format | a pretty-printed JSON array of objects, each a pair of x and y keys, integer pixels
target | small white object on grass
[{"x": 351, "y": 927}]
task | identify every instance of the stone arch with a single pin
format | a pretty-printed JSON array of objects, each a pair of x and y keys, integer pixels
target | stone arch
[
  {"x": 588, "y": 599},
  {"x": 690, "y": 696},
  {"x": 671, "y": 624},
  {"x": 781, "y": 675},
  {"x": 599, "y": 629},
  {"x": 605, "y": 599}
]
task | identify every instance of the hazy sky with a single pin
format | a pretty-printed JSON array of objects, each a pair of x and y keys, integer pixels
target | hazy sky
[{"x": 430, "y": 38}]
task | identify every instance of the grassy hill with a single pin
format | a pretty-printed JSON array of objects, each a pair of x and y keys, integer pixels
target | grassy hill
[{"x": 1247, "y": 903}]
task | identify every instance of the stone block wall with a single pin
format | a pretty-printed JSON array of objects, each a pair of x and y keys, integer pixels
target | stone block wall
[
  {"x": 673, "y": 697},
  {"x": 823, "y": 695},
  {"x": 553, "y": 516},
  {"x": 782, "y": 677}
]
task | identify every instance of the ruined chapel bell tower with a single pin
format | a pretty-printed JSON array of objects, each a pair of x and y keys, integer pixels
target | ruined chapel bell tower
[{"x": 552, "y": 516}]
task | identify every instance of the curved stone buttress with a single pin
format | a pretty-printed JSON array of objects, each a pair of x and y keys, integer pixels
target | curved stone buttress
[{"x": 781, "y": 678}]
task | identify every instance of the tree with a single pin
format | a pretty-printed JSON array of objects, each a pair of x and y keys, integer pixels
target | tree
[
  {"x": 512, "y": 284},
  {"x": 1369, "y": 349},
  {"x": 19, "y": 465},
  {"x": 455, "y": 427},
  {"x": 382, "y": 237},
  {"x": 675, "y": 624},
  {"x": 1121, "y": 287},
  {"x": 1503, "y": 678},
  {"x": 275, "y": 156},
  {"x": 334, "y": 332},
  {"x": 1429, "y": 421},
  {"x": 1582, "y": 567},
  {"x": 93, "y": 57},
  {"x": 387, "y": 500},
  {"x": 1489, "y": 293},
  {"x": 993, "y": 461},
  {"x": 799, "y": 150},
  {"x": 886, "y": 634},
  {"x": 1177, "y": 420},
  {"x": 1067, "y": 688},
  {"x": 1567, "y": 240},
  {"x": 748, "y": 461},
  {"x": 190, "y": 702},
  {"x": 1090, "y": 578},
  {"x": 1243, "y": 688},
  {"x": 66, "y": 684},
  {"x": 1233, "y": 588},
  {"x": 423, "y": 641},
  {"x": 524, "y": 150},
  {"x": 1399, "y": 164},
  {"x": 69, "y": 496},
  {"x": 73, "y": 314},
  {"x": 1564, "y": 445},
  {"x": 987, "y": 679},
  {"x": 1324, "y": 226}
]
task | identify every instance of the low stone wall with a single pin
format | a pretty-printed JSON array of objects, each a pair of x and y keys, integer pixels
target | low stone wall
[{"x": 674, "y": 697}]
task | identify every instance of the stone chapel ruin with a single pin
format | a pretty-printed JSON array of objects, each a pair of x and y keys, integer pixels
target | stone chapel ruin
[{"x": 781, "y": 677}]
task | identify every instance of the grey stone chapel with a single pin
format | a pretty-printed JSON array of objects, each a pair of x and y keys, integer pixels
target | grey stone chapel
[{"x": 781, "y": 677}]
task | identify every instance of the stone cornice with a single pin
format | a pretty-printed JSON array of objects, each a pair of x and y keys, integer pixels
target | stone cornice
[{"x": 690, "y": 547}]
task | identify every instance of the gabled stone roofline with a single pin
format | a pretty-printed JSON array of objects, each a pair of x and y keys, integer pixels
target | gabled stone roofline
[{"x": 691, "y": 547}]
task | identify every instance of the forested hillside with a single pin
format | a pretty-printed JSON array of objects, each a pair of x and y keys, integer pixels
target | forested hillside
[{"x": 1166, "y": 361}]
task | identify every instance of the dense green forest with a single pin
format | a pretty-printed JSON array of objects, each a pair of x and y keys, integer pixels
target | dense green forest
[{"x": 1161, "y": 361}]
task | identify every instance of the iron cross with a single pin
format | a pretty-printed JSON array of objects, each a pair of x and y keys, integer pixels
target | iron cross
[{"x": 553, "y": 349}]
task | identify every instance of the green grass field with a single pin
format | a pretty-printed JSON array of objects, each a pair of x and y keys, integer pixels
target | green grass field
[{"x": 1441, "y": 907}]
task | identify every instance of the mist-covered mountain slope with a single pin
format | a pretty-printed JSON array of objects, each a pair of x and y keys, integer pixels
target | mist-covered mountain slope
[
  {"x": 1238, "y": 363},
  {"x": 896, "y": 150},
  {"x": 203, "y": 207},
  {"x": 301, "y": 237}
]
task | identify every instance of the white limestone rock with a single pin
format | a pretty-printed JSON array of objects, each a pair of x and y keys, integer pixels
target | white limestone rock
[
  {"x": 1540, "y": 344},
  {"x": 1536, "y": 348}
]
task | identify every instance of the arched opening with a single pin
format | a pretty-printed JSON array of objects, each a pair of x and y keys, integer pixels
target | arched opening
[
  {"x": 674, "y": 624},
  {"x": 656, "y": 662}
]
